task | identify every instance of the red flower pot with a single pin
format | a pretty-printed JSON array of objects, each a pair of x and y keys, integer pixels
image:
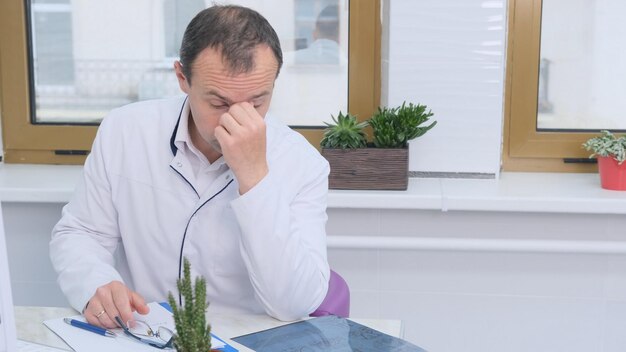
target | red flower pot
[{"x": 612, "y": 175}]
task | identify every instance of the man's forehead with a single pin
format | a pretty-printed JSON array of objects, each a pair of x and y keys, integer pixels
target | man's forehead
[
  {"x": 238, "y": 97},
  {"x": 262, "y": 58},
  {"x": 219, "y": 82}
]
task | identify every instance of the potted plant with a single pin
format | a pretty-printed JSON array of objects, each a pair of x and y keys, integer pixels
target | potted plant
[
  {"x": 381, "y": 164},
  {"x": 193, "y": 334},
  {"x": 610, "y": 151},
  {"x": 344, "y": 133},
  {"x": 394, "y": 128}
]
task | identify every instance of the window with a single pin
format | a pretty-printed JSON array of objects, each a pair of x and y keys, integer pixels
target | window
[
  {"x": 53, "y": 25},
  {"x": 563, "y": 82},
  {"x": 85, "y": 63},
  {"x": 176, "y": 16}
]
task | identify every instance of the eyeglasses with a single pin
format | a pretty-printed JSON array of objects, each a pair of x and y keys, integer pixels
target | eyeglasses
[{"x": 142, "y": 332}]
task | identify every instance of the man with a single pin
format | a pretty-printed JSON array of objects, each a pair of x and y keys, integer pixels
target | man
[
  {"x": 325, "y": 46},
  {"x": 203, "y": 177}
]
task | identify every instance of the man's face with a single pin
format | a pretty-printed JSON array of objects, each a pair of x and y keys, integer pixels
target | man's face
[{"x": 214, "y": 89}]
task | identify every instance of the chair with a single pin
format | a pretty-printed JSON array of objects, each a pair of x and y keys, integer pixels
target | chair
[{"x": 337, "y": 300}]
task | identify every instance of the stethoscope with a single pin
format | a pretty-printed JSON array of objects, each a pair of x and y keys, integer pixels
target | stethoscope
[{"x": 182, "y": 244}]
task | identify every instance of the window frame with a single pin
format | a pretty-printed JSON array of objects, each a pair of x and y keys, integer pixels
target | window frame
[
  {"x": 25, "y": 142},
  {"x": 524, "y": 148}
]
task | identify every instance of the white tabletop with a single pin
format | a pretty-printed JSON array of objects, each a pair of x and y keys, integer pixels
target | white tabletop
[{"x": 29, "y": 321}]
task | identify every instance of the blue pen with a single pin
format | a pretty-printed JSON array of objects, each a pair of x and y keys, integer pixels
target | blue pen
[{"x": 86, "y": 326}]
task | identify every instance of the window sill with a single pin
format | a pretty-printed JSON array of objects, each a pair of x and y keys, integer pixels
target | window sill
[
  {"x": 38, "y": 183},
  {"x": 514, "y": 191}
]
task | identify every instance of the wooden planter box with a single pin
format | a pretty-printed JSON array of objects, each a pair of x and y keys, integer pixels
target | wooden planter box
[{"x": 368, "y": 168}]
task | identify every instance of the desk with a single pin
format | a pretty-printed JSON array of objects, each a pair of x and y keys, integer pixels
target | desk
[{"x": 30, "y": 327}]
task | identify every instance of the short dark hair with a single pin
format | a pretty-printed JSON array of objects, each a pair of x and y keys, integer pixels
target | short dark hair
[{"x": 234, "y": 30}]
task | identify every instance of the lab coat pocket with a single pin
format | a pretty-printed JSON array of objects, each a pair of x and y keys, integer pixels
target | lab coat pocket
[{"x": 230, "y": 262}]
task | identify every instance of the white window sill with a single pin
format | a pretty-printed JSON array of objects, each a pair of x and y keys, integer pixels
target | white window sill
[
  {"x": 520, "y": 192},
  {"x": 38, "y": 183}
]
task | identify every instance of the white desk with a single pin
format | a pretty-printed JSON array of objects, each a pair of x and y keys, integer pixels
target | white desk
[{"x": 30, "y": 327}]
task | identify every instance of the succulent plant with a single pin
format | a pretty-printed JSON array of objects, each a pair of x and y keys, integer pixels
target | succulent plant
[
  {"x": 394, "y": 127},
  {"x": 344, "y": 133},
  {"x": 607, "y": 145},
  {"x": 193, "y": 334}
]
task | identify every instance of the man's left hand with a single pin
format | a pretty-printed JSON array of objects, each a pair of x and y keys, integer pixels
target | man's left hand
[{"x": 241, "y": 135}]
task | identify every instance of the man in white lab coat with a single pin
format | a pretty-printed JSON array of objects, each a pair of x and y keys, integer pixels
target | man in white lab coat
[{"x": 206, "y": 177}]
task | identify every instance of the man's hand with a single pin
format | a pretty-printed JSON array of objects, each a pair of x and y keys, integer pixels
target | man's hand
[
  {"x": 241, "y": 134},
  {"x": 111, "y": 300}
]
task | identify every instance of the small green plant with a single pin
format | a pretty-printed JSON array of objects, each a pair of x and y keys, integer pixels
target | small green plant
[
  {"x": 345, "y": 133},
  {"x": 193, "y": 334},
  {"x": 607, "y": 145},
  {"x": 395, "y": 127}
]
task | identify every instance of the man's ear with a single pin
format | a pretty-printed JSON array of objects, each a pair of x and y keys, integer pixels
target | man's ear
[{"x": 183, "y": 82}]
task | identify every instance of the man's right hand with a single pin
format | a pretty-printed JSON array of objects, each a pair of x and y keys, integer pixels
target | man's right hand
[{"x": 111, "y": 300}]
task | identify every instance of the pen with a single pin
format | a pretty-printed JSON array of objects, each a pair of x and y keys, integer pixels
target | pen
[{"x": 86, "y": 326}]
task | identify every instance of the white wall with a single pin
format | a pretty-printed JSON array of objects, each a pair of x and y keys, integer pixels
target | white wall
[
  {"x": 449, "y": 55},
  {"x": 480, "y": 301},
  {"x": 32, "y": 278}
]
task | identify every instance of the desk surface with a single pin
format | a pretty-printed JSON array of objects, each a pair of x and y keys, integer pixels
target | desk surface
[{"x": 30, "y": 327}]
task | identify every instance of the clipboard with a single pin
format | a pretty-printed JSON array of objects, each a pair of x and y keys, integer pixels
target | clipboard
[{"x": 81, "y": 340}]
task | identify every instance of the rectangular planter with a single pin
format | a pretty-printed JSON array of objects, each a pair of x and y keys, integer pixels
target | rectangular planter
[{"x": 368, "y": 168}]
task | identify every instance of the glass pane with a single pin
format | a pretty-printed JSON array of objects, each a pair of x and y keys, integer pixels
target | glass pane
[
  {"x": 313, "y": 83},
  {"x": 88, "y": 57},
  {"x": 51, "y": 1},
  {"x": 581, "y": 84},
  {"x": 52, "y": 40},
  {"x": 176, "y": 16}
]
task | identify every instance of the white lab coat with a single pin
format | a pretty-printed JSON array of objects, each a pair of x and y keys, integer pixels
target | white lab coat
[{"x": 261, "y": 251}]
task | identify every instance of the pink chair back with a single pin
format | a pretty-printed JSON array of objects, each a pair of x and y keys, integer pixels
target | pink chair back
[{"x": 337, "y": 300}]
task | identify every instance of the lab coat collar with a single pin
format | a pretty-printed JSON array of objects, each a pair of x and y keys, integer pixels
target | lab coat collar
[
  {"x": 182, "y": 166},
  {"x": 181, "y": 140},
  {"x": 183, "y": 107}
]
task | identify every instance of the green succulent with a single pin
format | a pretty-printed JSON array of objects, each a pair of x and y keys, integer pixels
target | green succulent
[
  {"x": 395, "y": 127},
  {"x": 344, "y": 133},
  {"x": 607, "y": 145},
  {"x": 193, "y": 334}
]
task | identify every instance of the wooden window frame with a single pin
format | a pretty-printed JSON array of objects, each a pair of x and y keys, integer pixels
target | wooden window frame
[
  {"x": 25, "y": 142},
  {"x": 526, "y": 149}
]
